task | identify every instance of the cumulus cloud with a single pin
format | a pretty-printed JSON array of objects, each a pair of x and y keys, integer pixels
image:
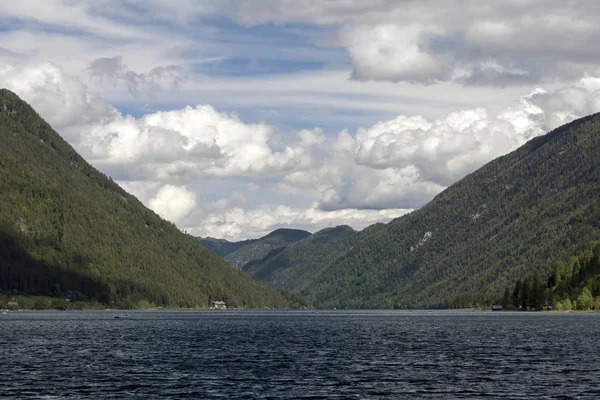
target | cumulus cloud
[
  {"x": 196, "y": 142},
  {"x": 173, "y": 202},
  {"x": 499, "y": 44},
  {"x": 61, "y": 99},
  {"x": 406, "y": 161},
  {"x": 444, "y": 150},
  {"x": 340, "y": 182},
  {"x": 382, "y": 189},
  {"x": 374, "y": 174},
  {"x": 392, "y": 53}
]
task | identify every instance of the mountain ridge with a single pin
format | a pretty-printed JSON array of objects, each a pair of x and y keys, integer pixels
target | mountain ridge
[
  {"x": 238, "y": 254},
  {"x": 306, "y": 255}
]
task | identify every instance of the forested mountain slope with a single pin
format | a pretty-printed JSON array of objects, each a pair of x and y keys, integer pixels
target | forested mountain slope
[
  {"x": 66, "y": 228},
  {"x": 511, "y": 218},
  {"x": 307, "y": 257},
  {"x": 571, "y": 283},
  {"x": 259, "y": 248},
  {"x": 222, "y": 247}
]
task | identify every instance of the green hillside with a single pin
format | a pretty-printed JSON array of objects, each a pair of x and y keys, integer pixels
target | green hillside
[
  {"x": 259, "y": 248},
  {"x": 510, "y": 219},
  {"x": 572, "y": 283},
  {"x": 222, "y": 247},
  {"x": 67, "y": 229},
  {"x": 307, "y": 256}
]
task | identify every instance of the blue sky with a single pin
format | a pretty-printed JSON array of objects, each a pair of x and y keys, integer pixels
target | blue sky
[{"x": 234, "y": 118}]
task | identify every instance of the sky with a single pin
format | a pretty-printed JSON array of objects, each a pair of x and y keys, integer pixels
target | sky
[{"x": 235, "y": 118}]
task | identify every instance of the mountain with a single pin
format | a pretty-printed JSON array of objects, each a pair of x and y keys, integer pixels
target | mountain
[
  {"x": 307, "y": 256},
  {"x": 511, "y": 218},
  {"x": 67, "y": 229},
  {"x": 259, "y": 248},
  {"x": 222, "y": 247}
]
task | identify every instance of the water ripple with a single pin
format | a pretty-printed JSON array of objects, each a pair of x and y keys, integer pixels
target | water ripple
[{"x": 300, "y": 355}]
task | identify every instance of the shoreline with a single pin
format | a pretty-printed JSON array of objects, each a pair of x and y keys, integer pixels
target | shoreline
[{"x": 311, "y": 310}]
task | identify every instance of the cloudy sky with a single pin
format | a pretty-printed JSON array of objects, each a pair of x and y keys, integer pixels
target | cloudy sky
[{"x": 234, "y": 118}]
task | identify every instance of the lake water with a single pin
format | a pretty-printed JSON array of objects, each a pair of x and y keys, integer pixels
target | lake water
[{"x": 300, "y": 355}]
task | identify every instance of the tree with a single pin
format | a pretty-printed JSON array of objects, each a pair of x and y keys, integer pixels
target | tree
[
  {"x": 554, "y": 277},
  {"x": 506, "y": 303},
  {"x": 516, "y": 294},
  {"x": 538, "y": 295},
  {"x": 56, "y": 290},
  {"x": 525, "y": 294},
  {"x": 566, "y": 305},
  {"x": 585, "y": 301}
]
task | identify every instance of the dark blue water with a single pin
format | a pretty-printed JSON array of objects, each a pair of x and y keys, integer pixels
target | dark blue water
[{"x": 295, "y": 355}]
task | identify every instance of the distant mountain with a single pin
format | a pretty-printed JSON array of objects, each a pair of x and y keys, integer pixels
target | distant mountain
[
  {"x": 307, "y": 257},
  {"x": 67, "y": 229},
  {"x": 259, "y": 248},
  {"x": 510, "y": 219},
  {"x": 222, "y": 247}
]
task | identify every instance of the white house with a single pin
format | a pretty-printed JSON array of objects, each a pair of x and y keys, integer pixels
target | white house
[{"x": 219, "y": 305}]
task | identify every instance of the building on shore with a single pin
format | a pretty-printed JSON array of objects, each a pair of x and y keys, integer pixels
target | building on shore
[{"x": 219, "y": 305}]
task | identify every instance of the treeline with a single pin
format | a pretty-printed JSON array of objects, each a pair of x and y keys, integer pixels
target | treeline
[{"x": 571, "y": 284}]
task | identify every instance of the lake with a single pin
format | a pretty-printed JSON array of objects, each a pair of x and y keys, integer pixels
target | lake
[{"x": 300, "y": 355}]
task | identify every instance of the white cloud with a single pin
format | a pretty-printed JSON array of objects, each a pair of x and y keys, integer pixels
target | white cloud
[
  {"x": 173, "y": 202},
  {"x": 441, "y": 151},
  {"x": 340, "y": 182},
  {"x": 197, "y": 142},
  {"x": 238, "y": 223},
  {"x": 499, "y": 43},
  {"x": 391, "y": 53},
  {"x": 406, "y": 161},
  {"x": 444, "y": 150},
  {"x": 504, "y": 43},
  {"x": 376, "y": 174},
  {"x": 61, "y": 99},
  {"x": 178, "y": 161}
]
